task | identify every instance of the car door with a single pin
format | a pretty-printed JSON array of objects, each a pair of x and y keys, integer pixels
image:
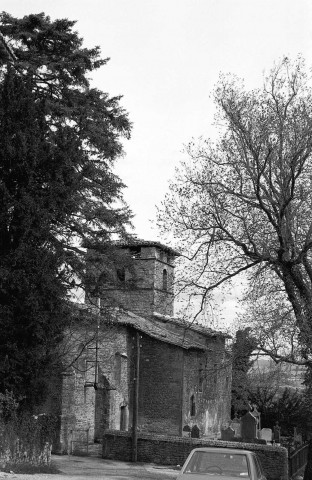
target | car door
[{"x": 259, "y": 469}]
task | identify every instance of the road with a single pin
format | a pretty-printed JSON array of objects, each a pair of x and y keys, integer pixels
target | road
[{"x": 92, "y": 468}]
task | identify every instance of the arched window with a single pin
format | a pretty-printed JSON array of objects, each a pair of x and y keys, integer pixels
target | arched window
[
  {"x": 165, "y": 279},
  {"x": 124, "y": 417},
  {"x": 117, "y": 368},
  {"x": 192, "y": 406}
]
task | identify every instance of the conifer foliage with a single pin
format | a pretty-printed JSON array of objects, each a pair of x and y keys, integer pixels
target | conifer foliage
[{"x": 59, "y": 139}]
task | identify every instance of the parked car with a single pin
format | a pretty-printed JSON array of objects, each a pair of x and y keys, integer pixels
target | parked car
[{"x": 222, "y": 464}]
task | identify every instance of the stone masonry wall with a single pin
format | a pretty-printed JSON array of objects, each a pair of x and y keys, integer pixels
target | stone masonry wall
[
  {"x": 207, "y": 384},
  {"x": 174, "y": 451},
  {"x": 86, "y": 409},
  {"x": 147, "y": 294},
  {"x": 170, "y": 377},
  {"x": 160, "y": 393}
]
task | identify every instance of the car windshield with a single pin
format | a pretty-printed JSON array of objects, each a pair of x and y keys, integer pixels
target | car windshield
[{"x": 229, "y": 464}]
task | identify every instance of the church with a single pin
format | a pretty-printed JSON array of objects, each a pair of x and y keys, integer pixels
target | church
[{"x": 135, "y": 365}]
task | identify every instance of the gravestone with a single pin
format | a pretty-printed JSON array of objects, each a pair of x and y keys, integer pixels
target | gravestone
[
  {"x": 248, "y": 427},
  {"x": 186, "y": 432},
  {"x": 266, "y": 434},
  {"x": 277, "y": 433},
  {"x": 195, "y": 432},
  {"x": 227, "y": 434},
  {"x": 236, "y": 425}
]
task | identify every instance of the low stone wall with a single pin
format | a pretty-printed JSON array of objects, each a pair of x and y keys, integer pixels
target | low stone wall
[
  {"x": 25, "y": 441},
  {"x": 174, "y": 451},
  {"x": 18, "y": 454}
]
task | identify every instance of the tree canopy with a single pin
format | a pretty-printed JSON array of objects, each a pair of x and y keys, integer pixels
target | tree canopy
[
  {"x": 243, "y": 204},
  {"x": 59, "y": 196}
]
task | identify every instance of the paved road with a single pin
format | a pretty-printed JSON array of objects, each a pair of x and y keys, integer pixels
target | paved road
[{"x": 91, "y": 468}]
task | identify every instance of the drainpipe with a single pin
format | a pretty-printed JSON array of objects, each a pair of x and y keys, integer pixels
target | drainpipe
[{"x": 136, "y": 399}]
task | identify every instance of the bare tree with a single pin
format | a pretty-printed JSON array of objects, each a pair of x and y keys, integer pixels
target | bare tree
[{"x": 243, "y": 204}]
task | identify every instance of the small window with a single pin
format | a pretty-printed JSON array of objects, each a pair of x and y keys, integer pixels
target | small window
[
  {"x": 201, "y": 377},
  {"x": 135, "y": 251},
  {"x": 121, "y": 274},
  {"x": 165, "y": 279},
  {"x": 215, "y": 373},
  {"x": 192, "y": 406},
  {"x": 81, "y": 358},
  {"x": 123, "y": 417}
]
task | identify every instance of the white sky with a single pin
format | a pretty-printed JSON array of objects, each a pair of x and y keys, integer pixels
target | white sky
[{"x": 166, "y": 56}]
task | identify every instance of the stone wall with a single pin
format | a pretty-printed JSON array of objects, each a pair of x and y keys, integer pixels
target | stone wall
[
  {"x": 170, "y": 376},
  {"x": 174, "y": 451},
  {"x": 88, "y": 411},
  {"x": 147, "y": 294},
  {"x": 160, "y": 392},
  {"x": 207, "y": 384}
]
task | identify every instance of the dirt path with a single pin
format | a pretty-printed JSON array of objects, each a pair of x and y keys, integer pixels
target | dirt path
[{"x": 78, "y": 468}]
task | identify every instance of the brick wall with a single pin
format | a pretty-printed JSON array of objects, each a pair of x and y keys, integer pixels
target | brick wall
[
  {"x": 170, "y": 376},
  {"x": 160, "y": 397},
  {"x": 174, "y": 451}
]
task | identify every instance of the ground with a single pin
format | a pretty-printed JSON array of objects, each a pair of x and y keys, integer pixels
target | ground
[{"x": 78, "y": 468}]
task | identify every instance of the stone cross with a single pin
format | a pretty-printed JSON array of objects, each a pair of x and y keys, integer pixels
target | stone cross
[{"x": 277, "y": 433}]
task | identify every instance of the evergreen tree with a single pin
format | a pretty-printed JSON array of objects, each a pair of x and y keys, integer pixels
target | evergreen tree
[{"x": 59, "y": 197}]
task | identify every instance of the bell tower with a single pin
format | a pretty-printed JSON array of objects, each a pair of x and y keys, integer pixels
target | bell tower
[{"x": 149, "y": 288}]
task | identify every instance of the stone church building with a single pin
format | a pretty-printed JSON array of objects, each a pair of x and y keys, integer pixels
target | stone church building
[{"x": 140, "y": 365}]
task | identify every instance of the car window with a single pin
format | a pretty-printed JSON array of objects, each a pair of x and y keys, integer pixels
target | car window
[
  {"x": 228, "y": 464},
  {"x": 258, "y": 467}
]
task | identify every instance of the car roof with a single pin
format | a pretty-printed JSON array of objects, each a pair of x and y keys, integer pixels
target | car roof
[{"x": 221, "y": 450}]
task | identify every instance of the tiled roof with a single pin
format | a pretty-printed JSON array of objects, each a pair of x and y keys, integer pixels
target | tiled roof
[
  {"x": 119, "y": 316},
  {"x": 208, "y": 332},
  {"x": 150, "y": 328},
  {"x": 137, "y": 242}
]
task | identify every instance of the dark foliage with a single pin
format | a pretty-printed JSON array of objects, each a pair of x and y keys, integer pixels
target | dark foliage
[
  {"x": 242, "y": 349},
  {"x": 290, "y": 409},
  {"x": 59, "y": 139}
]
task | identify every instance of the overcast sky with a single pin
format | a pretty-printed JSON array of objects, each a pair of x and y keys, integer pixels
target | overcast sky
[{"x": 166, "y": 56}]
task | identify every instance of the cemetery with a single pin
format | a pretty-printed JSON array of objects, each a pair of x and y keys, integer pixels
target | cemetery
[{"x": 279, "y": 462}]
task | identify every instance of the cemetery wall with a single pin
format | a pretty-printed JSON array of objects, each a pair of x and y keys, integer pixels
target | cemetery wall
[{"x": 174, "y": 451}]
